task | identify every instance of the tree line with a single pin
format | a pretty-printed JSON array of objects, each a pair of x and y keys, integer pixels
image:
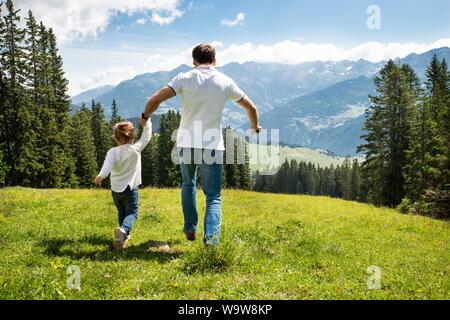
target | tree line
[{"x": 342, "y": 181}]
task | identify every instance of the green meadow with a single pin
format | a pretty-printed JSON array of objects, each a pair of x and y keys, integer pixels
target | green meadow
[
  {"x": 273, "y": 247},
  {"x": 263, "y": 157}
]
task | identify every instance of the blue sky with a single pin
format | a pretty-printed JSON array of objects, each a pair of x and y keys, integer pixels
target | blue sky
[
  {"x": 267, "y": 21},
  {"x": 114, "y": 40}
]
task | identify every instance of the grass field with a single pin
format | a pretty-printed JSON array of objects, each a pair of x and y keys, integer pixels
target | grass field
[
  {"x": 275, "y": 159},
  {"x": 273, "y": 247}
]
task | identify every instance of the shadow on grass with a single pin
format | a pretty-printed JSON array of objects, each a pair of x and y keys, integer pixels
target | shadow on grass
[{"x": 100, "y": 249}]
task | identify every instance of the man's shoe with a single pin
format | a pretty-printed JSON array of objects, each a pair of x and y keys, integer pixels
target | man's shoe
[{"x": 190, "y": 236}]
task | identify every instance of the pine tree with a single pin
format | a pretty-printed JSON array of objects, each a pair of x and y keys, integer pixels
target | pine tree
[
  {"x": 231, "y": 170},
  {"x": 262, "y": 182},
  {"x": 168, "y": 173},
  {"x": 301, "y": 178},
  {"x": 349, "y": 178},
  {"x": 17, "y": 110},
  {"x": 425, "y": 172},
  {"x": 338, "y": 189},
  {"x": 291, "y": 179},
  {"x": 243, "y": 169},
  {"x": 101, "y": 133},
  {"x": 436, "y": 163},
  {"x": 388, "y": 135},
  {"x": 375, "y": 126},
  {"x": 320, "y": 181},
  {"x": 3, "y": 169},
  {"x": 34, "y": 56},
  {"x": 224, "y": 176},
  {"x": 149, "y": 161},
  {"x": 354, "y": 181},
  {"x": 346, "y": 179},
  {"x": 443, "y": 191},
  {"x": 54, "y": 105},
  {"x": 175, "y": 171},
  {"x": 162, "y": 160},
  {"x": 115, "y": 117},
  {"x": 279, "y": 180},
  {"x": 83, "y": 147},
  {"x": 257, "y": 185},
  {"x": 414, "y": 173},
  {"x": 34, "y": 85},
  {"x": 311, "y": 179},
  {"x": 332, "y": 183}
]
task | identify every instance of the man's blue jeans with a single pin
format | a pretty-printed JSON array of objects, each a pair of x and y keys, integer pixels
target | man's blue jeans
[
  {"x": 210, "y": 163},
  {"x": 127, "y": 203}
]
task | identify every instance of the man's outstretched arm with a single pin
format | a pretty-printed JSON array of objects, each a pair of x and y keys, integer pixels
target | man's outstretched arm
[
  {"x": 154, "y": 102},
  {"x": 252, "y": 113}
]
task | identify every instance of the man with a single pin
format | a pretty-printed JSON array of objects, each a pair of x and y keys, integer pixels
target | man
[{"x": 204, "y": 92}]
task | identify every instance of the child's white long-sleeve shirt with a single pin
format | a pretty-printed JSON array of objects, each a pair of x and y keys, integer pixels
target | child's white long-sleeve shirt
[{"x": 124, "y": 162}]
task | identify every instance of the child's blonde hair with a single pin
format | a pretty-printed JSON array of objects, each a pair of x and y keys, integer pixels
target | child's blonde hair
[{"x": 124, "y": 133}]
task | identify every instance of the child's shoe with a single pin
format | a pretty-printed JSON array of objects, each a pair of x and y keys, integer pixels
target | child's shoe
[{"x": 119, "y": 238}]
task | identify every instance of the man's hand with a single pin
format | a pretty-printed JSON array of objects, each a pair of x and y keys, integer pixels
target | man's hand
[
  {"x": 256, "y": 130},
  {"x": 252, "y": 113},
  {"x": 98, "y": 180}
]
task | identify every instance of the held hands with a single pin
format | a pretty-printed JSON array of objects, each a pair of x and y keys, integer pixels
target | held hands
[
  {"x": 143, "y": 122},
  {"x": 256, "y": 130},
  {"x": 98, "y": 180}
]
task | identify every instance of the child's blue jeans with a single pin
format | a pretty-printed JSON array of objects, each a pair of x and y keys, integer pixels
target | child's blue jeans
[{"x": 127, "y": 203}]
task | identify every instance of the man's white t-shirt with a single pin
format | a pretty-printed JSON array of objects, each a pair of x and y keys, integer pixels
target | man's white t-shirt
[{"x": 204, "y": 92}]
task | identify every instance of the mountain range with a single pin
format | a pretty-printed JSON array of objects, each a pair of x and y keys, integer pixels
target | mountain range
[{"x": 318, "y": 104}]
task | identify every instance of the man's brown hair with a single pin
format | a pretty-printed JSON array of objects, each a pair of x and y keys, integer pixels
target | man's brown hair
[{"x": 204, "y": 54}]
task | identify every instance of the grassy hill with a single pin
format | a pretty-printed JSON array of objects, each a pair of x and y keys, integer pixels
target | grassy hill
[
  {"x": 273, "y": 247},
  {"x": 290, "y": 153}
]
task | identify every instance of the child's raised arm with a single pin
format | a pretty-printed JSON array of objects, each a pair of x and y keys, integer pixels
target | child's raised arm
[{"x": 145, "y": 137}]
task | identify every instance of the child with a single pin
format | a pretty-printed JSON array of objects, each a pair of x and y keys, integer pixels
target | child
[{"x": 124, "y": 164}]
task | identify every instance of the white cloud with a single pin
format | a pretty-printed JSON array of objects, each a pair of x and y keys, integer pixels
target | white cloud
[
  {"x": 141, "y": 21},
  {"x": 167, "y": 60},
  {"x": 217, "y": 44},
  {"x": 286, "y": 52},
  {"x": 110, "y": 76},
  {"x": 291, "y": 52},
  {"x": 165, "y": 17},
  {"x": 83, "y": 18},
  {"x": 126, "y": 46},
  {"x": 153, "y": 62},
  {"x": 240, "y": 18}
]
